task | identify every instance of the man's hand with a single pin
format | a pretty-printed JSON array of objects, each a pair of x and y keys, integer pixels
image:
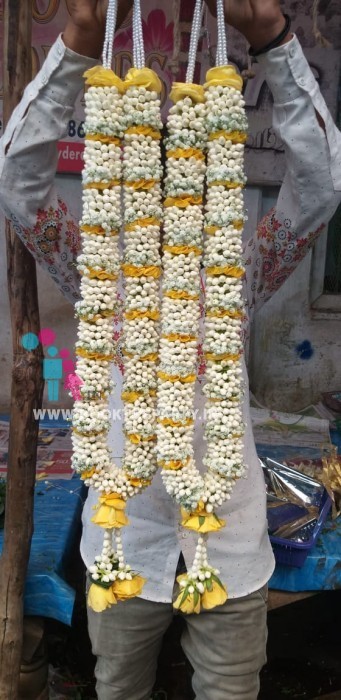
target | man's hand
[
  {"x": 260, "y": 21},
  {"x": 84, "y": 32}
]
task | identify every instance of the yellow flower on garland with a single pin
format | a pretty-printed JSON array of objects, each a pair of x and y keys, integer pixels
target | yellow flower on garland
[
  {"x": 128, "y": 589},
  {"x": 110, "y": 512},
  {"x": 188, "y": 603},
  {"x": 201, "y": 521},
  {"x": 100, "y": 598},
  {"x": 215, "y": 594}
]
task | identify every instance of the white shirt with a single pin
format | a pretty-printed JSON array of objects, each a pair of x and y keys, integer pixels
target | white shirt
[{"x": 307, "y": 200}]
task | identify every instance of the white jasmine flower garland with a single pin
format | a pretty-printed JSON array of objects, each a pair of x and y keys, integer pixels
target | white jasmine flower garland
[
  {"x": 159, "y": 401},
  {"x": 141, "y": 268}
]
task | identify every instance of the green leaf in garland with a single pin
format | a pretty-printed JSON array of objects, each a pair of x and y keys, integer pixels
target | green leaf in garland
[
  {"x": 218, "y": 581},
  {"x": 209, "y": 584},
  {"x": 201, "y": 520},
  {"x": 196, "y": 597},
  {"x": 184, "y": 597}
]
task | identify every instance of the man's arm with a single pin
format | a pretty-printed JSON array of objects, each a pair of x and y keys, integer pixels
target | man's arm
[
  {"x": 28, "y": 149},
  {"x": 311, "y": 190}
]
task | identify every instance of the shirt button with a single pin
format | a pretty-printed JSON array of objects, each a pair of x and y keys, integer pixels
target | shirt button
[
  {"x": 44, "y": 79},
  {"x": 292, "y": 52},
  {"x": 59, "y": 50},
  {"x": 301, "y": 81}
]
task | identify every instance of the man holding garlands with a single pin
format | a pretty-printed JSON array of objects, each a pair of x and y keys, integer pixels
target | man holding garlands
[{"x": 226, "y": 644}]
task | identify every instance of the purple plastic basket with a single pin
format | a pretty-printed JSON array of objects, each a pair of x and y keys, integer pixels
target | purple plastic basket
[{"x": 292, "y": 553}]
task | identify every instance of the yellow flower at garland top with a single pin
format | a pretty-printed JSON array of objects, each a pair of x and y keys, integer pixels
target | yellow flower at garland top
[
  {"x": 116, "y": 116},
  {"x": 211, "y": 121}
]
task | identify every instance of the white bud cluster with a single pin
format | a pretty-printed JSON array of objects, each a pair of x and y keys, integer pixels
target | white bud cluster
[
  {"x": 91, "y": 417},
  {"x": 97, "y": 296},
  {"x": 96, "y": 336},
  {"x": 142, "y": 293},
  {"x": 139, "y": 376},
  {"x": 180, "y": 316},
  {"x": 175, "y": 401},
  {"x": 139, "y": 417},
  {"x": 95, "y": 376},
  {"x": 99, "y": 263},
  {"x": 223, "y": 335},
  {"x": 90, "y": 452},
  {"x": 103, "y": 111},
  {"x": 102, "y": 162},
  {"x": 183, "y": 227},
  {"x": 141, "y": 107},
  {"x": 223, "y": 249},
  {"x": 226, "y": 110},
  {"x": 224, "y": 293},
  {"x": 102, "y": 207},
  {"x": 181, "y": 272},
  {"x": 142, "y": 171},
  {"x": 186, "y": 125},
  {"x": 185, "y": 485}
]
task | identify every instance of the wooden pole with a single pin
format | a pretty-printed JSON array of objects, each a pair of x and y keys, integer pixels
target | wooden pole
[{"x": 27, "y": 382}]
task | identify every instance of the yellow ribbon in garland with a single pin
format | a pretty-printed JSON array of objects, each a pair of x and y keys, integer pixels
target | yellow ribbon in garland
[
  {"x": 135, "y": 438},
  {"x": 225, "y": 356},
  {"x": 186, "y": 153},
  {"x": 151, "y": 357},
  {"x": 182, "y": 202},
  {"x": 214, "y": 594},
  {"x": 98, "y": 76},
  {"x": 227, "y": 183},
  {"x": 141, "y": 184},
  {"x": 132, "y": 396},
  {"x": 111, "y": 512},
  {"x": 189, "y": 379},
  {"x": 224, "y": 76},
  {"x": 138, "y": 483},
  {"x": 143, "y": 223},
  {"x": 201, "y": 521},
  {"x": 173, "y": 465},
  {"x": 144, "y": 131},
  {"x": 134, "y": 271},
  {"x": 188, "y": 603},
  {"x": 234, "y": 136},
  {"x": 182, "y": 249},
  {"x": 221, "y": 313},
  {"x": 100, "y": 274},
  {"x": 93, "y": 355},
  {"x": 177, "y": 294},
  {"x": 173, "y": 337},
  {"x": 88, "y": 473},
  {"x": 103, "y": 139},
  {"x": 227, "y": 270},
  {"x": 169, "y": 422},
  {"x": 123, "y": 590},
  {"x": 101, "y": 185},
  {"x": 100, "y": 598},
  {"x": 132, "y": 314},
  {"x": 181, "y": 90},
  {"x": 98, "y": 230},
  {"x": 143, "y": 77},
  {"x": 93, "y": 433}
]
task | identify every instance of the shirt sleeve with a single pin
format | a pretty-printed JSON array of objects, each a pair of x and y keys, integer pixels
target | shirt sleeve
[
  {"x": 311, "y": 189},
  {"x": 28, "y": 163}
]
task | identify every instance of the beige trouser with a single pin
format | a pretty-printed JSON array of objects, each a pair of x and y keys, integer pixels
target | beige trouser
[{"x": 226, "y": 647}]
